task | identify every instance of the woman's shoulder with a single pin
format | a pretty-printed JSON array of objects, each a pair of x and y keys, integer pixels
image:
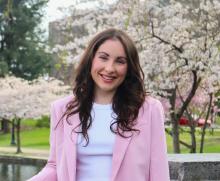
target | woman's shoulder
[
  {"x": 58, "y": 108},
  {"x": 152, "y": 104},
  {"x": 62, "y": 102},
  {"x": 152, "y": 101}
]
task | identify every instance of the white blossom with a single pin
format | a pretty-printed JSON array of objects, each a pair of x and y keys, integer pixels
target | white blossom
[{"x": 23, "y": 99}]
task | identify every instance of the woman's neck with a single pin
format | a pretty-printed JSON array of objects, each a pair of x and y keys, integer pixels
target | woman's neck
[{"x": 102, "y": 97}]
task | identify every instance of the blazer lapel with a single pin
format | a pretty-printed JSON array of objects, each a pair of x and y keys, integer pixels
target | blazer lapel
[
  {"x": 70, "y": 145},
  {"x": 119, "y": 151}
]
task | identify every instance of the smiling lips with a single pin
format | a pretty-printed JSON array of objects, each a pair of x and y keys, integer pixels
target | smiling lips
[{"x": 107, "y": 78}]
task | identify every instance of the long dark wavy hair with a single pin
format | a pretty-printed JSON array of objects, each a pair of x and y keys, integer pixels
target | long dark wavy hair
[{"x": 128, "y": 97}]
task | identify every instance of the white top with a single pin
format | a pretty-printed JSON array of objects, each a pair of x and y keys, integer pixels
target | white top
[{"x": 94, "y": 162}]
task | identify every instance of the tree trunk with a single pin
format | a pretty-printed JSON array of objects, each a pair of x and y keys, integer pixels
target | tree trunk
[
  {"x": 175, "y": 124},
  {"x": 212, "y": 120},
  {"x": 18, "y": 136},
  {"x": 13, "y": 132},
  {"x": 176, "y": 143},
  {"x": 193, "y": 138},
  {"x": 205, "y": 125},
  {"x": 5, "y": 126},
  {"x": 192, "y": 126}
]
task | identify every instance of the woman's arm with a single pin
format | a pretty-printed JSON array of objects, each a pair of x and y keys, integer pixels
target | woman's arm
[
  {"x": 48, "y": 173},
  {"x": 159, "y": 169}
]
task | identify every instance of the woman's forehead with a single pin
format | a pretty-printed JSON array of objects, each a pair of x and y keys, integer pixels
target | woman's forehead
[{"x": 112, "y": 47}]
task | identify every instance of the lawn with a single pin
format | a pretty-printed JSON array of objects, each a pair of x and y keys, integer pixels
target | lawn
[
  {"x": 39, "y": 138},
  {"x": 36, "y": 138},
  {"x": 212, "y": 142}
]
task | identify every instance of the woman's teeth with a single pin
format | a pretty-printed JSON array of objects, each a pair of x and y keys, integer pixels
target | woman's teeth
[{"x": 107, "y": 77}]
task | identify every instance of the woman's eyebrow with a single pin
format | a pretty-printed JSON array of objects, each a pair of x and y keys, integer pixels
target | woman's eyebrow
[
  {"x": 120, "y": 57},
  {"x": 103, "y": 53}
]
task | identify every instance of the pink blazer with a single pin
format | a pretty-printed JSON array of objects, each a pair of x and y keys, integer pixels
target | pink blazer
[{"x": 141, "y": 157}]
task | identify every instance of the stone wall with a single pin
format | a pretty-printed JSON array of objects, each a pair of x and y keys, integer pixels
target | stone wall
[
  {"x": 183, "y": 167},
  {"x": 194, "y": 167}
]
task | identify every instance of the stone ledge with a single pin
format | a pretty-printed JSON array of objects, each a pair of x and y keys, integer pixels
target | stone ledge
[
  {"x": 194, "y": 167},
  {"x": 23, "y": 160},
  {"x": 183, "y": 167},
  {"x": 194, "y": 157}
]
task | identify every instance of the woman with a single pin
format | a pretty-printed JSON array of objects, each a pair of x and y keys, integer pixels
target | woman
[{"x": 109, "y": 130}]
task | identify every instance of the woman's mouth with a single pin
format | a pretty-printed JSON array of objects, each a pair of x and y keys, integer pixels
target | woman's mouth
[{"x": 107, "y": 78}]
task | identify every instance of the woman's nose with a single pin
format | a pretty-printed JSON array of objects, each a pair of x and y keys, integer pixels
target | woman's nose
[{"x": 109, "y": 67}]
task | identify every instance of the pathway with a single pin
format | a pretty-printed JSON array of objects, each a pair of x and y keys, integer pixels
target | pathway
[{"x": 26, "y": 152}]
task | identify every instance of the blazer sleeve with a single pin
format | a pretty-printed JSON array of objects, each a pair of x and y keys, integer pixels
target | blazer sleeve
[
  {"x": 48, "y": 173},
  {"x": 159, "y": 169}
]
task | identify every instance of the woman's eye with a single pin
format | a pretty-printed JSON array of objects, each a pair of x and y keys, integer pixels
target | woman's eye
[
  {"x": 120, "y": 61},
  {"x": 103, "y": 58}
]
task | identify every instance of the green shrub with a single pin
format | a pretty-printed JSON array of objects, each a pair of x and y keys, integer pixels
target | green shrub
[
  {"x": 44, "y": 121},
  {"x": 30, "y": 123},
  {"x": 3, "y": 68}
]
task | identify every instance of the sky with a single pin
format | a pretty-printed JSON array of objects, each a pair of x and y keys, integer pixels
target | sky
[{"x": 53, "y": 12}]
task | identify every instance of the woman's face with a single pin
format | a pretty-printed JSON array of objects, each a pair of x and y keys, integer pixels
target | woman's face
[{"x": 109, "y": 67}]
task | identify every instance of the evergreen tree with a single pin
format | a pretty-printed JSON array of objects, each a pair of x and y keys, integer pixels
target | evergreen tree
[{"x": 22, "y": 48}]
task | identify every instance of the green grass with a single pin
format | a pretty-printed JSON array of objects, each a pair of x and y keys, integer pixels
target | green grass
[
  {"x": 39, "y": 138},
  {"x": 28, "y": 123},
  {"x": 211, "y": 144},
  {"x": 36, "y": 138},
  {"x": 217, "y": 120}
]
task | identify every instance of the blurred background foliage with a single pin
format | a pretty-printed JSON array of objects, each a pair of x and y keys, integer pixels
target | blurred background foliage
[{"x": 21, "y": 39}]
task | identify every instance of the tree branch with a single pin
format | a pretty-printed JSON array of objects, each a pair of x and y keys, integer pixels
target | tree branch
[
  {"x": 196, "y": 82},
  {"x": 179, "y": 49}
]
